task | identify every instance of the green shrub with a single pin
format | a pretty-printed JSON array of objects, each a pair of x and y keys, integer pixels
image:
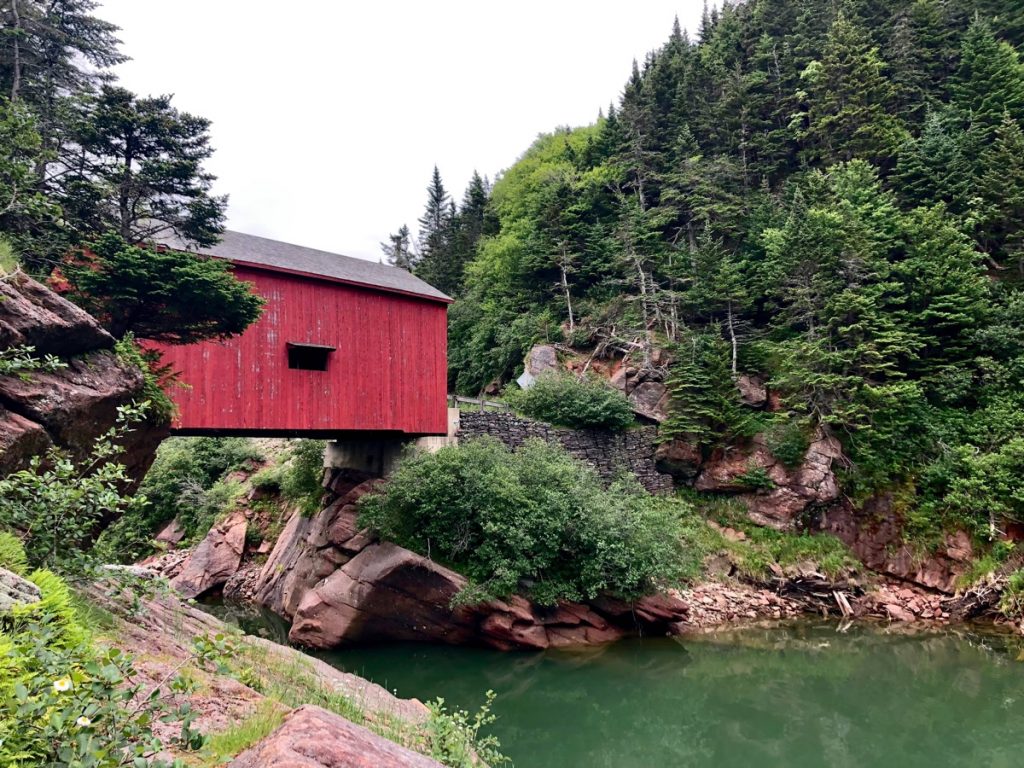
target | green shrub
[
  {"x": 568, "y": 401},
  {"x": 303, "y": 475},
  {"x": 186, "y": 470},
  {"x": 788, "y": 442},
  {"x": 59, "y": 507},
  {"x": 68, "y": 704},
  {"x": 536, "y": 521},
  {"x": 755, "y": 479}
]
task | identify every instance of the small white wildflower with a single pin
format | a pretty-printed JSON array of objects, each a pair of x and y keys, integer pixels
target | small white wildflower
[
  {"x": 83, "y": 722},
  {"x": 63, "y": 685}
]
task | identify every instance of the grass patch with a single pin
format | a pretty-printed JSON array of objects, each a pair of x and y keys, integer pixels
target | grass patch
[
  {"x": 762, "y": 547},
  {"x": 452, "y": 737},
  {"x": 223, "y": 746}
]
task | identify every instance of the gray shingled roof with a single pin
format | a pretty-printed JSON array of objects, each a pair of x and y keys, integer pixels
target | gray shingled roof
[{"x": 236, "y": 246}]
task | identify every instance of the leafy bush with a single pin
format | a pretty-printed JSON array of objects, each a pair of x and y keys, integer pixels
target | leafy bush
[
  {"x": 536, "y": 521},
  {"x": 788, "y": 442},
  {"x": 67, "y": 704},
  {"x": 569, "y": 401},
  {"x": 302, "y": 478},
  {"x": 186, "y": 469},
  {"x": 59, "y": 507}
]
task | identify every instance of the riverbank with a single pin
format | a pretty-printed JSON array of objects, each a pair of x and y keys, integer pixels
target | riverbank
[{"x": 253, "y": 693}]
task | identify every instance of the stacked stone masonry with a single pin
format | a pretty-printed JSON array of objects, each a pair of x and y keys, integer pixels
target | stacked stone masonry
[{"x": 609, "y": 453}]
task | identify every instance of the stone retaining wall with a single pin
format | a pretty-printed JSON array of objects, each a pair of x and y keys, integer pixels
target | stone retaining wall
[{"x": 610, "y": 453}]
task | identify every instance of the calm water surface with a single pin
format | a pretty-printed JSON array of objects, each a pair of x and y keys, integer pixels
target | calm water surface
[{"x": 798, "y": 696}]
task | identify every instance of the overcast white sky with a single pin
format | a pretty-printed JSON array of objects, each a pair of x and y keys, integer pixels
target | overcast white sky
[{"x": 329, "y": 115}]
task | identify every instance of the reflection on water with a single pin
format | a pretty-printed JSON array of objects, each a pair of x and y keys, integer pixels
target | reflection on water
[{"x": 803, "y": 695}]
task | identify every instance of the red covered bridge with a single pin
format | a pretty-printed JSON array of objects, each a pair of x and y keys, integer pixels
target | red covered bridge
[{"x": 344, "y": 346}]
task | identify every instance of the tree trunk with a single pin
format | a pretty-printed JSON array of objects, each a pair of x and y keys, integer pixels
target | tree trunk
[
  {"x": 732, "y": 338},
  {"x": 568, "y": 296},
  {"x": 16, "y": 63}
]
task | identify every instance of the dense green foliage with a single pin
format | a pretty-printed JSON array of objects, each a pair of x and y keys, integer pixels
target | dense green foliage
[
  {"x": 828, "y": 195},
  {"x": 568, "y": 401},
  {"x": 58, "y": 506},
  {"x": 188, "y": 481},
  {"x": 169, "y": 296},
  {"x": 534, "y": 521}
]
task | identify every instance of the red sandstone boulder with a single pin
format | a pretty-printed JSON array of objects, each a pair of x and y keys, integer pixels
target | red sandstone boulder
[
  {"x": 792, "y": 492},
  {"x": 33, "y": 315},
  {"x": 752, "y": 390},
  {"x": 875, "y": 535},
  {"x": 311, "y": 548},
  {"x": 312, "y": 737},
  {"x": 678, "y": 458},
  {"x": 73, "y": 406},
  {"x": 650, "y": 399},
  {"x": 385, "y": 592},
  {"x": 20, "y": 439},
  {"x": 215, "y": 560}
]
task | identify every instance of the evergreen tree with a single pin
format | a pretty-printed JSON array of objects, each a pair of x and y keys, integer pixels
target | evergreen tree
[
  {"x": 850, "y": 100},
  {"x": 990, "y": 80},
  {"x": 435, "y": 262},
  {"x": 398, "y": 249},
  {"x": 138, "y": 171},
  {"x": 999, "y": 211}
]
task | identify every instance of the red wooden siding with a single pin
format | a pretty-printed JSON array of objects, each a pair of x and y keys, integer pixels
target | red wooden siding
[{"x": 387, "y": 373}]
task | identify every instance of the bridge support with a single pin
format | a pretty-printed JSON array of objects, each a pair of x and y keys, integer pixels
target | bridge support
[{"x": 378, "y": 454}]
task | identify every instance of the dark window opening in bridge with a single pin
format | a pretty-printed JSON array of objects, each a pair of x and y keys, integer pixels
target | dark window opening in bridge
[{"x": 308, "y": 357}]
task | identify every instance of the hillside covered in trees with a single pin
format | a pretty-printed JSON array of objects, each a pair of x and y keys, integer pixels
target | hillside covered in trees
[{"x": 829, "y": 194}]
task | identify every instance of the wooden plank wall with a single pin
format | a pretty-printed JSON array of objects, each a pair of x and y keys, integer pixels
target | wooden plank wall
[{"x": 388, "y": 371}]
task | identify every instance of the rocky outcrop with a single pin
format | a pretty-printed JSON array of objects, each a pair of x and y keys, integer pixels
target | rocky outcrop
[
  {"x": 337, "y": 584},
  {"x": 541, "y": 359},
  {"x": 33, "y": 315},
  {"x": 389, "y": 593},
  {"x": 680, "y": 459},
  {"x": 216, "y": 558},
  {"x": 874, "y": 534},
  {"x": 753, "y": 391},
  {"x": 311, "y": 548},
  {"x": 73, "y": 406},
  {"x": 312, "y": 737},
  {"x": 15, "y": 591},
  {"x": 788, "y": 493}
]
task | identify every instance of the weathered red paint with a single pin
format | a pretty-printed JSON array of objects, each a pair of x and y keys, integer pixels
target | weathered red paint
[{"x": 387, "y": 373}]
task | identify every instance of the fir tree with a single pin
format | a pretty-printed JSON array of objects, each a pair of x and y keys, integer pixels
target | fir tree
[
  {"x": 850, "y": 100},
  {"x": 398, "y": 249}
]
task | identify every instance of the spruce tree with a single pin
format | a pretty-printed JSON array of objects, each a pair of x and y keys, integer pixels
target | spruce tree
[
  {"x": 436, "y": 264},
  {"x": 139, "y": 172},
  {"x": 398, "y": 249},
  {"x": 990, "y": 80},
  {"x": 850, "y": 101}
]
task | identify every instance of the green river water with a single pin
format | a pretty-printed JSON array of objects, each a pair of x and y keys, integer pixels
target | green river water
[{"x": 796, "y": 696}]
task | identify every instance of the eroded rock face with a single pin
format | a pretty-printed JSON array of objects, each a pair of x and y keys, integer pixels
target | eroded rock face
[
  {"x": 541, "y": 359},
  {"x": 33, "y": 315},
  {"x": 214, "y": 560},
  {"x": 875, "y": 535},
  {"x": 793, "y": 490},
  {"x": 311, "y": 548},
  {"x": 752, "y": 390},
  {"x": 73, "y": 406},
  {"x": 651, "y": 400},
  {"x": 387, "y": 592},
  {"x": 311, "y": 737},
  {"x": 680, "y": 459}
]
